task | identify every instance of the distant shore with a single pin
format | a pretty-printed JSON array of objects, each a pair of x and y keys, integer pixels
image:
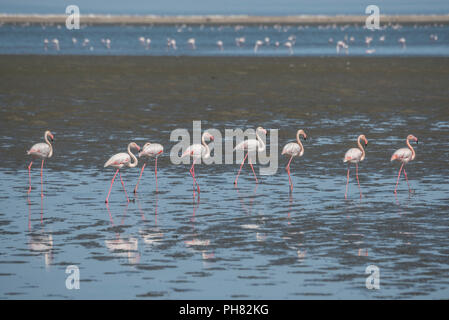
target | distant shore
[{"x": 91, "y": 19}]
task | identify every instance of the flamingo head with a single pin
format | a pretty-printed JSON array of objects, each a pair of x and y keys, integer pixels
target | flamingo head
[
  {"x": 261, "y": 129},
  {"x": 362, "y": 137},
  {"x": 208, "y": 137},
  {"x": 301, "y": 132},
  {"x": 412, "y": 137},
  {"x": 48, "y": 133},
  {"x": 134, "y": 146}
]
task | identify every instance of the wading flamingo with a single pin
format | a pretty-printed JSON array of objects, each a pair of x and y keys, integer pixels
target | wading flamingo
[
  {"x": 355, "y": 155},
  {"x": 294, "y": 149},
  {"x": 196, "y": 152},
  {"x": 150, "y": 150},
  {"x": 250, "y": 145},
  {"x": 41, "y": 151},
  {"x": 404, "y": 155},
  {"x": 118, "y": 161}
]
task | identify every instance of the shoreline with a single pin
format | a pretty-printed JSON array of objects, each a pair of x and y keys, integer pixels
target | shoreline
[{"x": 93, "y": 19}]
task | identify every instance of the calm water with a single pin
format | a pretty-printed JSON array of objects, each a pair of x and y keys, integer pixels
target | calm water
[
  {"x": 307, "y": 40},
  {"x": 234, "y": 243}
]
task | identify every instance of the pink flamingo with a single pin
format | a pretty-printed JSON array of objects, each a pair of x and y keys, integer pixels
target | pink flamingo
[
  {"x": 118, "y": 161},
  {"x": 41, "y": 151},
  {"x": 355, "y": 155},
  {"x": 150, "y": 150},
  {"x": 196, "y": 152},
  {"x": 404, "y": 155},
  {"x": 251, "y": 145},
  {"x": 294, "y": 149}
]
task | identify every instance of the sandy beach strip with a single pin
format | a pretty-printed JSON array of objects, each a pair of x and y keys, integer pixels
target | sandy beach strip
[{"x": 91, "y": 19}]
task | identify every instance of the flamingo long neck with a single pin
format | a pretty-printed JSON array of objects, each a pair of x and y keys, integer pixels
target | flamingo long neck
[
  {"x": 207, "y": 155},
  {"x": 361, "y": 148},
  {"x": 411, "y": 149},
  {"x": 49, "y": 144},
  {"x": 299, "y": 142},
  {"x": 134, "y": 160},
  {"x": 261, "y": 146}
]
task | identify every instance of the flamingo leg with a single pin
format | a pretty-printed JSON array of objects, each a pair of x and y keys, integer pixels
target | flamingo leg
[
  {"x": 399, "y": 175},
  {"x": 406, "y": 178},
  {"x": 249, "y": 160},
  {"x": 123, "y": 184},
  {"x": 137, "y": 185},
  {"x": 42, "y": 179},
  {"x": 288, "y": 172},
  {"x": 347, "y": 184},
  {"x": 112, "y": 182},
  {"x": 155, "y": 172},
  {"x": 192, "y": 172},
  {"x": 357, "y": 175},
  {"x": 29, "y": 176},
  {"x": 237, "y": 178}
]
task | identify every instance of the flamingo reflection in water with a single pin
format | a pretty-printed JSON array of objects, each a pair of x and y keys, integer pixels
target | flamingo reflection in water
[
  {"x": 123, "y": 247},
  {"x": 40, "y": 241}
]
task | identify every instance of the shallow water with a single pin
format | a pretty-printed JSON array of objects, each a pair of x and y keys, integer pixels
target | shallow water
[
  {"x": 307, "y": 40},
  {"x": 234, "y": 243}
]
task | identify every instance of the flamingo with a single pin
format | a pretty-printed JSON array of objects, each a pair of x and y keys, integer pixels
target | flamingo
[
  {"x": 294, "y": 149},
  {"x": 118, "y": 161},
  {"x": 196, "y": 152},
  {"x": 41, "y": 151},
  {"x": 220, "y": 45},
  {"x": 289, "y": 45},
  {"x": 257, "y": 45},
  {"x": 251, "y": 145},
  {"x": 150, "y": 150},
  {"x": 402, "y": 41},
  {"x": 342, "y": 45},
  {"x": 404, "y": 155},
  {"x": 355, "y": 155},
  {"x": 191, "y": 43}
]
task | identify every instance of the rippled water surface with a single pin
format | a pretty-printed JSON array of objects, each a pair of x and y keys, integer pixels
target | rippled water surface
[{"x": 245, "y": 242}]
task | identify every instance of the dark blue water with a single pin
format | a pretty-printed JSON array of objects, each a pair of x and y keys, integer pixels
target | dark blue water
[{"x": 305, "y": 40}]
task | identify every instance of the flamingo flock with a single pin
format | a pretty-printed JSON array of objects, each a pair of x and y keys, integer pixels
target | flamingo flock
[{"x": 197, "y": 152}]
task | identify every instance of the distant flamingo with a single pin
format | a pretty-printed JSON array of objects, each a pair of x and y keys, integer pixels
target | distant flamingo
[
  {"x": 198, "y": 152},
  {"x": 404, "y": 155},
  {"x": 41, "y": 151},
  {"x": 118, "y": 161},
  {"x": 355, "y": 155},
  {"x": 220, "y": 45},
  {"x": 402, "y": 41},
  {"x": 258, "y": 44},
  {"x": 150, "y": 150},
  {"x": 250, "y": 145},
  {"x": 191, "y": 43},
  {"x": 289, "y": 45},
  {"x": 294, "y": 149},
  {"x": 342, "y": 45}
]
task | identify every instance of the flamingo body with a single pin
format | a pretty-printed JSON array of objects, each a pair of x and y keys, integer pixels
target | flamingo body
[
  {"x": 292, "y": 149},
  {"x": 404, "y": 155},
  {"x": 40, "y": 150},
  {"x": 353, "y": 155},
  {"x": 152, "y": 150},
  {"x": 118, "y": 160}
]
